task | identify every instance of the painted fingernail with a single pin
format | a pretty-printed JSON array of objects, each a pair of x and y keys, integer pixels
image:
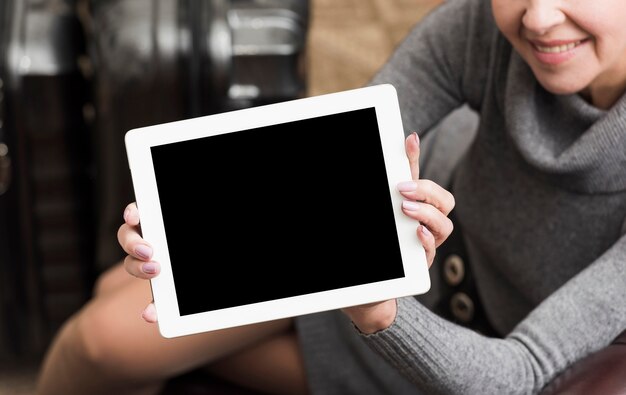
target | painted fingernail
[
  {"x": 149, "y": 268},
  {"x": 417, "y": 138},
  {"x": 425, "y": 230},
  {"x": 143, "y": 251},
  {"x": 407, "y": 186},
  {"x": 149, "y": 313},
  {"x": 410, "y": 206}
]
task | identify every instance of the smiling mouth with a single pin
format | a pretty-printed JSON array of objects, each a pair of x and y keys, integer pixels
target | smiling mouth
[{"x": 557, "y": 48}]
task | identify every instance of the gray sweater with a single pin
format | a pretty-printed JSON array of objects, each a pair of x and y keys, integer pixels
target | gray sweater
[{"x": 541, "y": 197}]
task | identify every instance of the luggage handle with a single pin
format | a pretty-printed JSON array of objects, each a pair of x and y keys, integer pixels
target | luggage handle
[
  {"x": 5, "y": 159},
  {"x": 5, "y": 168}
]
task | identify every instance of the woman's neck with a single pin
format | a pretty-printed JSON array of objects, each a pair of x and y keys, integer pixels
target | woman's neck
[{"x": 603, "y": 95}]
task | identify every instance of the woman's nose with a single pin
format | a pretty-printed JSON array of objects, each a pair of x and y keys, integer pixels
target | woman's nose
[{"x": 542, "y": 15}]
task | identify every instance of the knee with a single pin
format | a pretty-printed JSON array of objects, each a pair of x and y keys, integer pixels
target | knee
[
  {"x": 85, "y": 357},
  {"x": 91, "y": 332},
  {"x": 75, "y": 349},
  {"x": 100, "y": 341}
]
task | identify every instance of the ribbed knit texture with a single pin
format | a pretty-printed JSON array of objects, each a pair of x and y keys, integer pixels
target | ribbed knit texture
[{"x": 541, "y": 198}]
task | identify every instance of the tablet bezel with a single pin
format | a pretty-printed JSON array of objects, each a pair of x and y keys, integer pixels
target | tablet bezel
[{"x": 138, "y": 146}]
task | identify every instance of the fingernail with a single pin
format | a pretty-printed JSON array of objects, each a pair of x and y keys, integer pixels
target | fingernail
[
  {"x": 410, "y": 206},
  {"x": 143, "y": 251},
  {"x": 149, "y": 313},
  {"x": 407, "y": 186},
  {"x": 417, "y": 138},
  {"x": 425, "y": 230},
  {"x": 126, "y": 214},
  {"x": 149, "y": 268}
]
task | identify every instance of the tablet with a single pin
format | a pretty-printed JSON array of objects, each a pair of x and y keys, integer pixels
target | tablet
[{"x": 276, "y": 211}]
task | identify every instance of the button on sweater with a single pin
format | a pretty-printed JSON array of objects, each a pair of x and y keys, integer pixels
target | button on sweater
[{"x": 541, "y": 198}]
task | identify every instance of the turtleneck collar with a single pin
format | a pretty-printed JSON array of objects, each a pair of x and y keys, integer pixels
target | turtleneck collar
[{"x": 574, "y": 144}]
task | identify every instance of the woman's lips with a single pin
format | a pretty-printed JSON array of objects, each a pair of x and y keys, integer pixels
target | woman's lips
[{"x": 555, "y": 52}]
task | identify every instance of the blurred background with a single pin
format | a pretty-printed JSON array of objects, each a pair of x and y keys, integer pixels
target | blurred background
[{"x": 75, "y": 75}]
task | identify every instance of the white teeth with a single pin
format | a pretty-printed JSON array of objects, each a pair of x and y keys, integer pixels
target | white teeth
[{"x": 557, "y": 48}]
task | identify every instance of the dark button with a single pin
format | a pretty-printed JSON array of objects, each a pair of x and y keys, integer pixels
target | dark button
[
  {"x": 462, "y": 307},
  {"x": 453, "y": 270}
]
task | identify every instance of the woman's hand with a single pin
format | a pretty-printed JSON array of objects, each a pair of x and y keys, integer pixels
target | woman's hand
[
  {"x": 139, "y": 261},
  {"x": 427, "y": 203}
]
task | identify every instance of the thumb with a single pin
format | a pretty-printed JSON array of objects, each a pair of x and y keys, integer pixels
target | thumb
[
  {"x": 412, "y": 147},
  {"x": 149, "y": 314}
]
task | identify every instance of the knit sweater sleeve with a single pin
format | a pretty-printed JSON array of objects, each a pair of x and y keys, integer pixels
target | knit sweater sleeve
[
  {"x": 442, "y": 63},
  {"x": 582, "y": 316}
]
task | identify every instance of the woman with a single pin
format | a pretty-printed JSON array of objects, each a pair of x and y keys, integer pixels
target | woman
[{"x": 540, "y": 196}]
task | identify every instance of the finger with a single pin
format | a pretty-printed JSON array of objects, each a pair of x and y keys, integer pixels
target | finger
[
  {"x": 149, "y": 314},
  {"x": 412, "y": 148},
  {"x": 437, "y": 223},
  {"x": 428, "y": 242},
  {"x": 140, "y": 268},
  {"x": 131, "y": 241},
  {"x": 427, "y": 191},
  {"x": 131, "y": 214}
]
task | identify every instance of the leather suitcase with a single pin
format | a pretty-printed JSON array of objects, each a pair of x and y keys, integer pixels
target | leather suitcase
[
  {"x": 75, "y": 76},
  {"x": 157, "y": 61},
  {"x": 45, "y": 181}
]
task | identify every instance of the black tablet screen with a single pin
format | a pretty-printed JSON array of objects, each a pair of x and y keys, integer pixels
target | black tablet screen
[{"x": 277, "y": 211}]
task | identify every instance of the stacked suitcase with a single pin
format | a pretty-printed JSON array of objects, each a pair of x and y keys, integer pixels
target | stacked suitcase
[
  {"x": 46, "y": 205},
  {"x": 182, "y": 59},
  {"x": 74, "y": 77}
]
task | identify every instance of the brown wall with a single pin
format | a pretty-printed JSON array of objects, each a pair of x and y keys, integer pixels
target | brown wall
[{"x": 350, "y": 39}]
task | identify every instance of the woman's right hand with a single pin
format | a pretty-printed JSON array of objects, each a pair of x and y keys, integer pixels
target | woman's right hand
[{"x": 139, "y": 261}]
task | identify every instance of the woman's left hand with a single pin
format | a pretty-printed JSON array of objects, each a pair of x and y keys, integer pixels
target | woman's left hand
[{"x": 426, "y": 202}]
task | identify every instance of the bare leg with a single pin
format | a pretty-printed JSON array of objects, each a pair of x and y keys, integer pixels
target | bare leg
[
  {"x": 107, "y": 348},
  {"x": 273, "y": 366},
  {"x": 110, "y": 280}
]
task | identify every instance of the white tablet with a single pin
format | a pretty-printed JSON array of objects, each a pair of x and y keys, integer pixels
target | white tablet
[{"x": 277, "y": 211}]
